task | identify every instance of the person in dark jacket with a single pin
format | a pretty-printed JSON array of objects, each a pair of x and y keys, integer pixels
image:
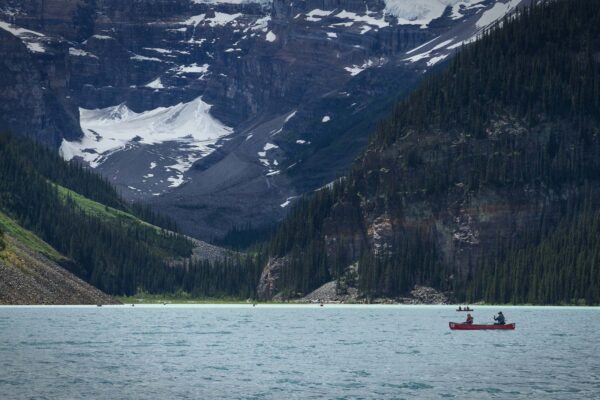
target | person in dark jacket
[
  {"x": 500, "y": 320},
  {"x": 469, "y": 319}
]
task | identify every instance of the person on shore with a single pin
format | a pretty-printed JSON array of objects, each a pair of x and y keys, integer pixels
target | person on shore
[
  {"x": 469, "y": 319},
  {"x": 500, "y": 320}
]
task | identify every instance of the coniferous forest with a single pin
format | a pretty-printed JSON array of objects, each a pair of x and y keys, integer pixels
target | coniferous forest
[{"x": 516, "y": 115}]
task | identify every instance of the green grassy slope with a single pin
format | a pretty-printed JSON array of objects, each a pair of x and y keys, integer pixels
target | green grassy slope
[
  {"x": 32, "y": 271},
  {"x": 28, "y": 238},
  {"x": 99, "y": 210}
]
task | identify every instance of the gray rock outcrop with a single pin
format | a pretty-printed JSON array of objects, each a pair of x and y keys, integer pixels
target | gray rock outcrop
[
  {"x": 268, "y": 284},
  {"x": 27, "y": 277}
]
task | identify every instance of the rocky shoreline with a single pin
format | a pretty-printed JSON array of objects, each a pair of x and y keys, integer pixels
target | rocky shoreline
[{"x": 329, "y": 293}]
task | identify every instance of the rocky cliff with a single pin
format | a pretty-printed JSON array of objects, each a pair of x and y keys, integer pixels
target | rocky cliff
[{"x": 34, "y": 81}]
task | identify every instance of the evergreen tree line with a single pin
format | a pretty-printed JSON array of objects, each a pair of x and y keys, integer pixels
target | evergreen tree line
[
  {"x": 234, "y": 277},
  {"x": 414, "y": 260},
  {"x": 245, "y": 236},
  {"x": 2, "y": 243},
  {"x": 561, "y": 266}
]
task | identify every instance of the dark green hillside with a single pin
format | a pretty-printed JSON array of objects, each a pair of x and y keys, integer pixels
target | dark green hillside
[
  {"x": 2, "y": 243},
  {"x": 100, "y": 238},
  {"x": 117, "y": 254},
  {"x": 475, "y": 178},
  {"x": 561, "y": 267}
]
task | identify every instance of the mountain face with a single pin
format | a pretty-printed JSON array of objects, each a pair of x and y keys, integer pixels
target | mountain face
[
  {"x": 220, "y": 113},
  {"x": 485, "y": 181}
]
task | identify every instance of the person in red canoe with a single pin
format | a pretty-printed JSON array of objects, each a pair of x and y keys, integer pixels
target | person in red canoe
[
  {"x": 469, "y": 319},
  {"x": 500, "y": 320}
]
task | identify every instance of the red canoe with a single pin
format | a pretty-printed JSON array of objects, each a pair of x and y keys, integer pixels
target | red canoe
[{"x": 475, "y": 327}]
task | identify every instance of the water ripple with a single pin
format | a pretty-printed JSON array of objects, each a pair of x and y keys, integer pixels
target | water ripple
[{"x": 294, "y": 353}]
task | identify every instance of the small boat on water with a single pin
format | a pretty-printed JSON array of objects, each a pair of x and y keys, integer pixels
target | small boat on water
[
  {"x": 464, "y": 310},
  {"x": 459, "y": 326}
]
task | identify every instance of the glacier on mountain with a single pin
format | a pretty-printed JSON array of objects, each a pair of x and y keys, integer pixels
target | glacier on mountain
[
  {"x": 422, "y": 12},
  {"x": 115, "y": 128}
]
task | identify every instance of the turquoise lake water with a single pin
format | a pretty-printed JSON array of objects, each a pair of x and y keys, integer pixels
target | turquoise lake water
[{"x": 296, "y": 352}]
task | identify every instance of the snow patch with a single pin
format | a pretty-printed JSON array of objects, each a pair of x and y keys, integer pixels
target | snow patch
[
  {"x": 155, "y": 84},
  {"x": 222, "y": 19},
  {"x": 261, "y": 24},
  {"x": 270, "y": 146},
  {"x": 290, "y": 116},
  {"x": 157, "y": 50},
  {"x": 271, "y": 37},
  {"x": 194, "y": 20},
  {"x": 462, "y": 6},
  {"x": 80, "y": 53},
  {"x": 35, "y": 47},
  {"x": 28, "y": 37},
  {"x": 422, "y": 12},
  {"x": 137, "y": 57},
  {"x": 113, "y": 129},
  {"x": 357, "y": 69},
  {"x": 192, "y": 69},
  {"x": 496, "y": 12},
  {"x": 367, "y": 19},
  {"x": 428, "y": 54},
  {"x": 317, "y": 14},
  {"x": 422, "y": 45},
  {"x": 435, "y": 60}
]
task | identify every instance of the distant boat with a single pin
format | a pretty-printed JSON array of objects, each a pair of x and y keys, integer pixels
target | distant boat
[
  {"x": 460, "y": 326},
  {"x": 99, "y": 305},
  {"x": 464, "y": 309}
]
